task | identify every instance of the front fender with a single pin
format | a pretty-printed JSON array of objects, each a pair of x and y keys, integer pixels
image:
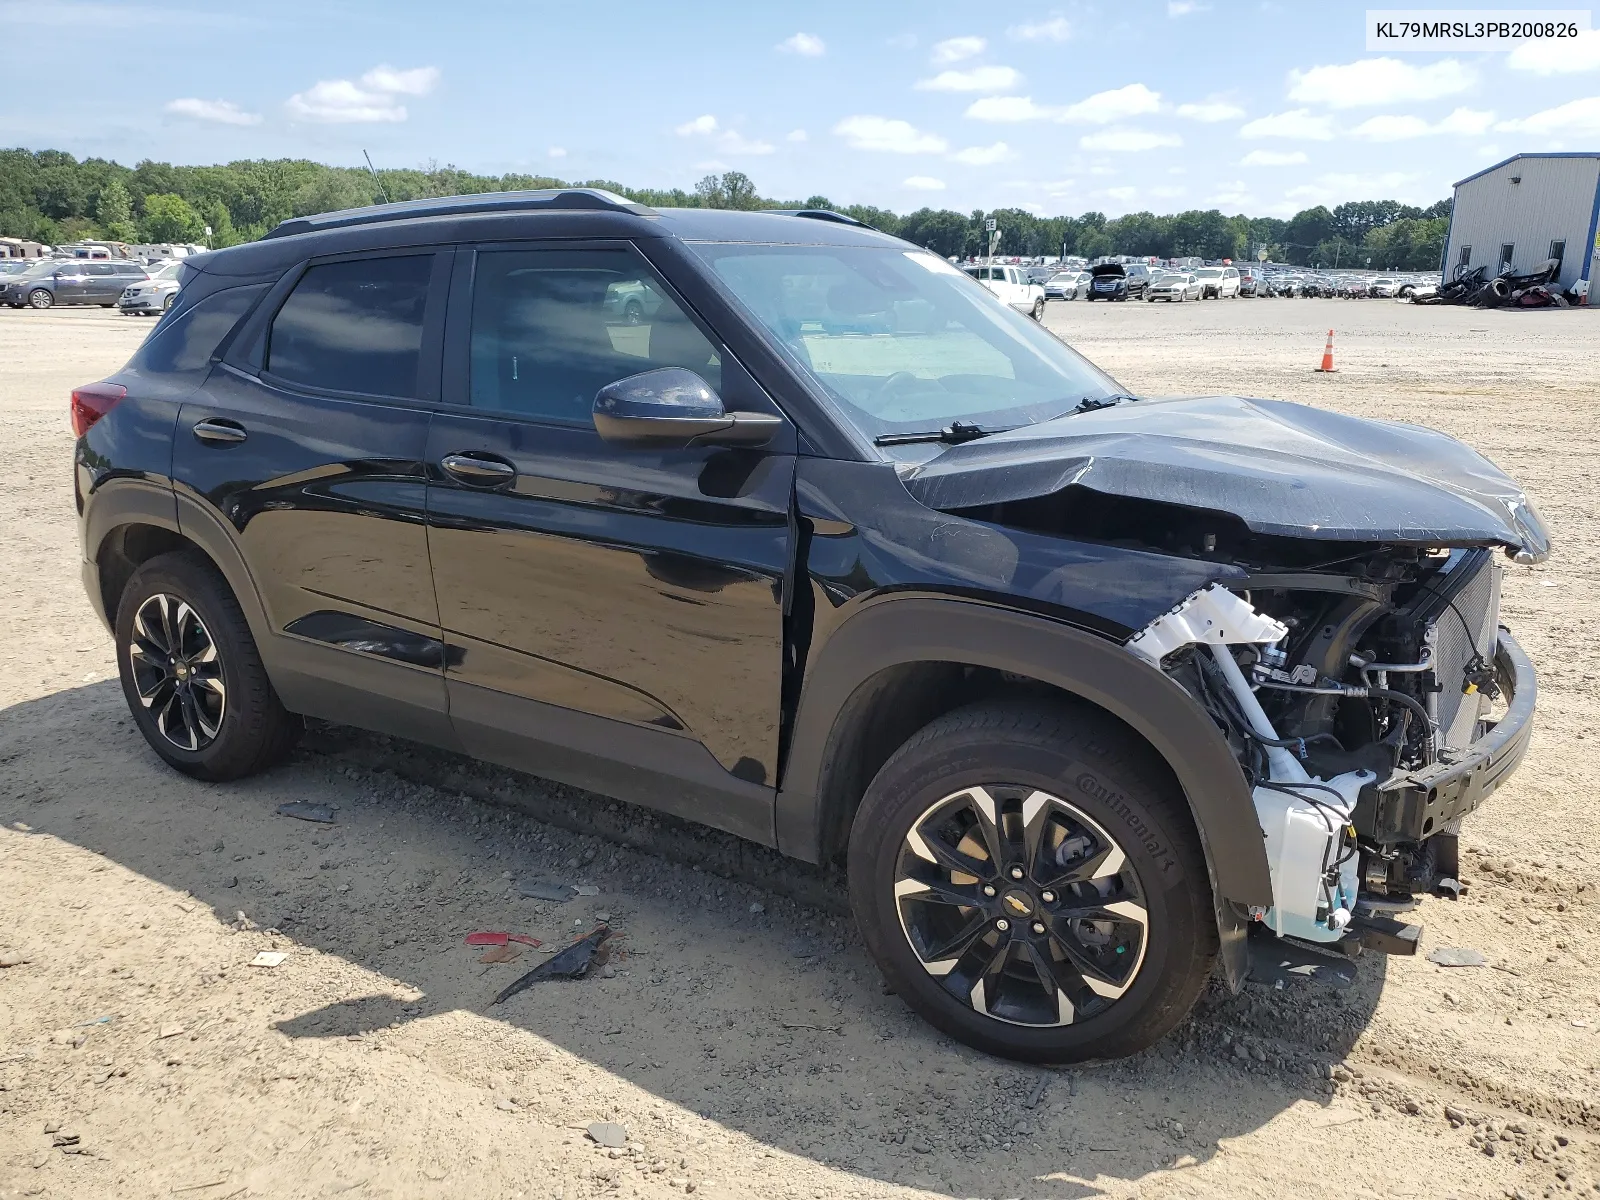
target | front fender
[{"x": 892, "y": 631}]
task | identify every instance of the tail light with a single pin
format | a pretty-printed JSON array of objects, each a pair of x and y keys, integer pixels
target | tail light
[{"x": 93, "y": 401}]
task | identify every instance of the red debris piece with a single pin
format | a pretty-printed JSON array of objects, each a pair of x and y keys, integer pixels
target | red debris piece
[{"x": 500, "y": 939}]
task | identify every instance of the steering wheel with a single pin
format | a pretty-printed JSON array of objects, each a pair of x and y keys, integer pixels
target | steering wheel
[{"x": 896, "y": 380}]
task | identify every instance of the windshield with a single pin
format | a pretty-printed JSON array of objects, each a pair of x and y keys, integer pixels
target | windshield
[
  {"x": 903, "y": 341},
  {"x": 1209, "y": 273},
  {"x": 170, "y": 271}
]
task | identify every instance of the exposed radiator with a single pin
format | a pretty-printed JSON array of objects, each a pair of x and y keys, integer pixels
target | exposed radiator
[{"x": 1456, "y": 636}]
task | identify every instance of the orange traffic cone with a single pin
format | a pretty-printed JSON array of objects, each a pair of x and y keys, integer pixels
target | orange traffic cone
[{"x": 1327, "y": 355}]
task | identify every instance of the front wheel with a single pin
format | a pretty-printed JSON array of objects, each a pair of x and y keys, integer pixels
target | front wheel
[
  {"x": 1031, "y": 885},
  {"x": 40, "y": 299},
  {"x": 192, "y": 675}
]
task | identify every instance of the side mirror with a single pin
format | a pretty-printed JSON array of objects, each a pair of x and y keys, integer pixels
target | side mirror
[{"x": 671, "y": 408}]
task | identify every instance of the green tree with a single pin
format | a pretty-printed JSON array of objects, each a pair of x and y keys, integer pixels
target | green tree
[
  {"x": 113, "y": 208},
  {"x": 168, "y": 218}
]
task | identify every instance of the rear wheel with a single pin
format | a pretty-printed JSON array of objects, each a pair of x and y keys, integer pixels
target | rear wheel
[
  {"x": 1038, "y": 310},
  {"x": 1030, "y": 886},
  {"x": 192, "y": 675}
]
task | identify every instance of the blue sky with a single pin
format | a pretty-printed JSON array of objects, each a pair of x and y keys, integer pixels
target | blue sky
[{"x": 1264, "y": 108}]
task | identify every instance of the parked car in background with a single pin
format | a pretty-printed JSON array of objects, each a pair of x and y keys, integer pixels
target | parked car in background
[
  {"x": 1173, "y": 285},
  {"x": 1118, "y": 281},
  {"x": 72, "y": 281},
  {"x": 1011, "y": 285},
  {"x": 152, "y": 296},
  {"x": 1067, "y": 285},
  {"x": 1220, "y": 282},
  {"x": 1250, "y": 280}
]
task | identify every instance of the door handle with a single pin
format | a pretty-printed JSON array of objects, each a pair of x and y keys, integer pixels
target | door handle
[
  {"x": 218, "y": 432},
  {"x": 478, "y": 470}
]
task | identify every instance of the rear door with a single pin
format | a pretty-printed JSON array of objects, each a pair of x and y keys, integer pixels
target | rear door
[
  {"x": 306, "y": 446},
  {"x": 613, "y": 616}
]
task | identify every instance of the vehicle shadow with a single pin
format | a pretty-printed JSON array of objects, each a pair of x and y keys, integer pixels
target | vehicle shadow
[{"x": 724, "y": 997}]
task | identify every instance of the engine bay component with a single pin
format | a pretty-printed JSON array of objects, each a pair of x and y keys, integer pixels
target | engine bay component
[{"x": 1213, "y": 616}]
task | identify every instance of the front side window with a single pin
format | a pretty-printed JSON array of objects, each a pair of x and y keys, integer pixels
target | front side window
[
  {"x": 902, "y": 340},
  {"x": 550, "y": 328},
  {"x": 354, "y": 326}
]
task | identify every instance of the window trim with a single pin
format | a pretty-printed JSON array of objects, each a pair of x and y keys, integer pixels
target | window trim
[
  {"x": 248, "y": 351},
  {"x": 456, "y": 391}
]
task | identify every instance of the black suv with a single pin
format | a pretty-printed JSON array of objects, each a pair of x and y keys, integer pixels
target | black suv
[
  {"x": 825, "y": 548},
  {"x": 1118, "y": 281}
]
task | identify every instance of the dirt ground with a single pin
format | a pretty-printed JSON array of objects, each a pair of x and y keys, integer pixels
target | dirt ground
[{"x": 742, "y": 1038}]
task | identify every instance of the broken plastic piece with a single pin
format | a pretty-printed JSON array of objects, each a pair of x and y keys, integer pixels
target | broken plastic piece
[
  {"x": 1457, "y": 956},
  {"x": 572, "y": 963},
  {"x": 1213, "y": 616},
  {"x": 500, "y": 939},
  {"x": 300, "y": 810},
  {"x": 608, "y": 1134},
  {"x": 268, "y": 958},
  {"x": 539, "y": 889}
]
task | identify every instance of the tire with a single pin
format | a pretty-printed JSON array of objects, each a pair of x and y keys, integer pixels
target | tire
[
  {"x": 166, "y": 303},
  {"x": 217, "y": 718},
  {"x": 1094, "y": 793},
  {"x": 1038, "y": 310},
  {"x": 40, "y": 299},
  {"x": 633, "y": 313},
  {"x": 109, "y": 304}
]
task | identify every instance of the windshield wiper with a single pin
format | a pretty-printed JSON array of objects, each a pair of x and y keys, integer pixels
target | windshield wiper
[
  {"x": 955, "y": 433},
  {"x": 1091, "y": 403}
]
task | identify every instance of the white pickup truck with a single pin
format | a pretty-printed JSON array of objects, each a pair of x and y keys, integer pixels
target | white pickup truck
[{"x": 1011, "y": 285}]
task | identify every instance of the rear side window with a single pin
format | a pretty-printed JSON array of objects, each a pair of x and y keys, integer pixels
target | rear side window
[
  {"x": 186, "y": 338},
  {"x": 354, "y": 326}
]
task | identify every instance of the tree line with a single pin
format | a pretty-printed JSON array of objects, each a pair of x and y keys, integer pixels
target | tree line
[{"x": 50, "y": 196}]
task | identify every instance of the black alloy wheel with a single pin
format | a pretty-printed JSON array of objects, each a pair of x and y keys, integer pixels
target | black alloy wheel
[
  {"x": 192, "y": 675},
  {"x": 1027, "y": 876},
  {"x": 176, "y": 672},
  {"x": 1021, "y": 905}
]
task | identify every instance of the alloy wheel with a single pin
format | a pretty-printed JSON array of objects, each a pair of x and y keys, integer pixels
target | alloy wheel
[
  {"x": 177, "y": 672},
  {"x": 41, "y": 298},
  {"x": 1022, "y": 906}
]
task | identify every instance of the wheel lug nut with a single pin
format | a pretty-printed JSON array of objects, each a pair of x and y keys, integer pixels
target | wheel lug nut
[
  {"x": 1002, "y": 924},
  {"x": 988, "y": 889},
  {"x": 1038, "y": 926},
  {"x": 1048, "y": 897},
  {"x": 1016, "y": 872}
]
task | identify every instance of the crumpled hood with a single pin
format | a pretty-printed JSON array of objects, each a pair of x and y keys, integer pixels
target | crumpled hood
[{"x": 1283, "y": 469}]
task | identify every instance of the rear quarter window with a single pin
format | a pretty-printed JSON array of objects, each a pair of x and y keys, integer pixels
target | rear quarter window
[{"x": 186, "y": 338}]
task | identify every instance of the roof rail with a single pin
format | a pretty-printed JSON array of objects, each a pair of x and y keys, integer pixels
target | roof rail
[
  {"x": 818, "y": 214},
  {"x": 483, "y": 202}
]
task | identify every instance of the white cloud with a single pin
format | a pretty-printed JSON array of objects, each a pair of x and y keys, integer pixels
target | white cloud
[
  {"x": 1211, "y": 110},
  {"x": 978, "y": 79},
  {"x": 924, "y": 183},
  {"x": 1121, "y": 193},
  {"x": 1296, "y": 123},
  {"x": 796, "y": 135},
  {"x": 889, "y": 136},
  {"x": 1578, "y": 116},
  {"x": 806, "y": 45},
  {"x": 1052, "y": 29},
  {"x": 1273, "y": 158},
  {"x": 955, "y": 49},
  {"x": 1182, "y": 8},
  {"x": 1008, "y": 108},
  {"x": 1126, "y": 141},
  {"x": 1373, "y": 81},
  {"x": 982, "y": 156},
  {"x": 556, "y": 152},
  {"x": 343, "y": 102},
  {"x": 1338, "y": 187},
  {"x": 1104, "y": 107},
  {"x": 1167, "y": 193},
  {"x": 416, "y": 82},
  {"x": 1236, "y": 192},
  {"x": 224, "y": 112},
  {"x": 1402, "y": 128},
  {"x": 702, "y": 124},
  {"x": 729, "y": 141},
  {"x": 1558, "y": 56}
]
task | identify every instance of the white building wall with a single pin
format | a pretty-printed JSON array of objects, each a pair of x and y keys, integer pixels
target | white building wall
[{"x": 1556, "y": 200}]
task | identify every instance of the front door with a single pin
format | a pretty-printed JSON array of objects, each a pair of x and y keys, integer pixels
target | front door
[
  {"x": 612, "y": 616},
  {"x": 72, "y": 284},
  {"x": 308, "y": 448}
]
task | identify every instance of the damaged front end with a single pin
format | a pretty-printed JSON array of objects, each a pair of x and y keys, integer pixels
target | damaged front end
[{"x": 1353, "y": 657}]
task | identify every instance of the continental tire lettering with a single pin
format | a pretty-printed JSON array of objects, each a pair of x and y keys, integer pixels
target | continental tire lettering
[{"x": 1114, "y": 800}]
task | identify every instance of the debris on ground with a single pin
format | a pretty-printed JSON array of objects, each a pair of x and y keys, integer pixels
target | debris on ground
[
  {"x": 1038, "y": 1092},
  {"x": 500, "y": 938},
  {"x": 302, "y": 810},
  {"x": 548, "y": 889},
  {"x": 268, "y": 958},
  {"x": 1536, "y": 289},
  {"x": 503, "y": 953},
  {"x": 572, "y": 963},
  {"x": 608, "y": 1134},
  {"x": 12, "y": 958},
  {"x": 171, "y": 1031},
  {"x": 1456, "y": 956},
  {"x": 96, "y": 1021}
]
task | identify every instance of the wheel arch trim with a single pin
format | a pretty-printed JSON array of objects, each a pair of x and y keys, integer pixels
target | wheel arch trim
[{"x": 895, "y": 631}]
